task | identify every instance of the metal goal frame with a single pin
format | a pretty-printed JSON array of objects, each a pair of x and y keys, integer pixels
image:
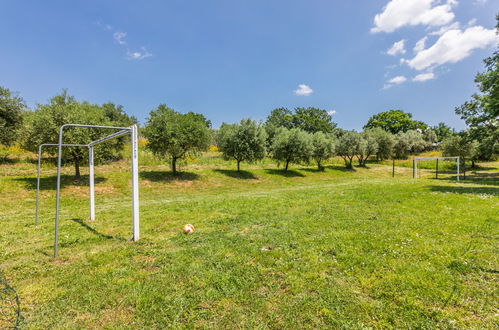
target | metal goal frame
[
  {"x": 415, "y": 165},
  {"x": 132, "y": 130}
]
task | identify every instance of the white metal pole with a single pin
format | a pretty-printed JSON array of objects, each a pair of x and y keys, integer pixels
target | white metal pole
[
  {"x": 91, "y": 178},
  {"x": 58, "y": 194},
  {"x": 135, "y": 183},
  {"x": 38, "y": 184},
  {"x": 458, "y": 161}
]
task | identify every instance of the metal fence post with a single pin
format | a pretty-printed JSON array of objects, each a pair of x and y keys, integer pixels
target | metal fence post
[{"x": 38, "y": 184}]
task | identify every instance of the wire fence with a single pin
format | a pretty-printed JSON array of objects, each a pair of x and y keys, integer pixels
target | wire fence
[{"x": 10, "y": 306}]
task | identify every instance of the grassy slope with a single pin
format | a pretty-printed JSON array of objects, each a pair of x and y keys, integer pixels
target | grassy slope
[{"x": 306, "y": 249}]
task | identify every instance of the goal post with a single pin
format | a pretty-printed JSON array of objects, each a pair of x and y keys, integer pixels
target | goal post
[
  {"x": 132, "y": 130},
  {"x": 436, "y": 159}
]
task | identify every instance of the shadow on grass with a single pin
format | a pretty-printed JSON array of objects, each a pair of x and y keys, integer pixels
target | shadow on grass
[
  {"x": 237, "y": 175},
  {"x": 288, "y": 173},
  {"x": 341, "y": 168},
  {"x": 466, "y": 190},
  {"x": 167, "y": 176},
  {"x": 92, "y": 230},
  {"x": 6, "y": 160},
  {"x": 50, "y": 183}
]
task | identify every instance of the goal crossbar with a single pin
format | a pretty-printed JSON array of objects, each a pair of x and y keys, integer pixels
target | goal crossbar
[
  {"x": 436, "y": 159},
  {"x": 132, "y": 130}
]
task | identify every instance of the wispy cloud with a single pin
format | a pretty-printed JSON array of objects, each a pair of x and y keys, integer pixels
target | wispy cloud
[
  {"x": 395, "y": 81},
  {"x": 119, "y": 36},
  {"x": 397, "y": 48},
  {"x": 424, "y": 77},
  {"x": 331, "y": 113},
  {"x": 138, "y": 55},
  {"x": 303, "y": 90}
]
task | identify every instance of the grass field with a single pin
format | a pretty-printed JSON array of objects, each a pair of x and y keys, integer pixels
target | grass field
[{"x": 302, "y": 249}]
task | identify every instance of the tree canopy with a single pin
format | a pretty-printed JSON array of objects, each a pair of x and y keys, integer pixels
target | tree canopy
[
  {"x": 243, "y": 142},
  {"x": 11, "y": 116},
  {"x": 292, "y": 146},
  {"x": 175, "y": 135},
  {"x": 347, "y": 146},
  {"x": 44, "y": 123},
  {"x": 394, "y": 121},
  {"x": 323, "y": 148}
]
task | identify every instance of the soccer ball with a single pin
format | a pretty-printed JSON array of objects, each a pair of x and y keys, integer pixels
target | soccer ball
[{"x": 188, "y": 229}]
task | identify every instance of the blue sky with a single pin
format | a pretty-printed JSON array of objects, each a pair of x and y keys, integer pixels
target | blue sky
[{"x": 235, "y": 59}]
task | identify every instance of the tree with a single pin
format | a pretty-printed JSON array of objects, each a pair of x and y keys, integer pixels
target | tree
[
  {"x": 243, "y": 142},
  {"x": 408, "y": 142},
  {"x": 443, "y": 131},
  {"x": 323, "y": 148},
  {"x": 385, "y": 141},
  {"x": 430, "y": 139},
  {"x": 347, "y": 147},
  {"x": 292, "y": 146},
  {"x": 174, "y": 135},
  {"x": 12, "y": 108},
  {"x": 44, "y": 123},
  {"x": 308, "y": 119},
  {"x": 313, "y": 120},
  {"x": 366, "y": 147},
  {"x": 481, "y": 114},
  {"x": 459, "y": 146},
  {"x": 394, "y": 121}
]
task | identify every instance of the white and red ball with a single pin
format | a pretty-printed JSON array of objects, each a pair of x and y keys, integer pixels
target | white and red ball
[{"x": 188, "y": 229}]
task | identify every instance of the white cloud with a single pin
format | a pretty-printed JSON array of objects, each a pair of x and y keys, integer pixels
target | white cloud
[
  {"x": 331, "y": 113},
  {"x": 443, "y": 29},
  {"x": 397, "y": 80},
  {"x": 453, "y": 46},
  {"x": 397, "y": 48},
  {"x": 303, "y": 90},
  {"x": 138, "y": 55},
  {"x": 420, "y": 45},
  {"x": 399, "y": 13},
  {"x": 424, "y": 77},
  {"x": 480, "y": 2},
  {"x": 119, "y": 36}
]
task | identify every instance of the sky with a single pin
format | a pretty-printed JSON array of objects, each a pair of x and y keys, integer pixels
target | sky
[{"x": 231, "y": 60}]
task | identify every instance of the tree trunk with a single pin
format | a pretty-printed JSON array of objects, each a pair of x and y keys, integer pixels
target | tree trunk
[
  {"x": 238, "y": 166},
  {"x": 319, "y": 167},
  {"x": 287, "y": 164},
  {"x": 77, "y": 168},
  {"x": 174, "y": 165},
  {"x": 472, "y": 164}
]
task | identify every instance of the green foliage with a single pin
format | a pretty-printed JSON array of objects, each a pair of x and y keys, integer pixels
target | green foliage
[
  {"x": 394, "y": 121},
  {"x": 12, "y": 108},
  {"x": 459, "y": 146},
  {"x": 43, "y": 127},
  {"x": 243, "y": 142},
  {"x": 443, "y": 131},
  {"x": 309, "y": 119},
  {"x": 174, "y": 135},
  {"x": 481, "y": 114},
  {"x": 367, "y": 146},
  {"x": 292, "y": 146},
  {"x": 408, "y": 142},
  {"x": 323, "y": 148},
  {"x": 348, "y": 146},
  {"x": 385, "y": 141}
]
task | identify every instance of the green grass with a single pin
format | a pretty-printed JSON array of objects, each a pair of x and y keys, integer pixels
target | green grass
[{"x": 303, "y": 249}]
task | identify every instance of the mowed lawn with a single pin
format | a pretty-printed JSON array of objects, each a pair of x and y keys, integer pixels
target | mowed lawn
[{"x": 305, "y": 249}]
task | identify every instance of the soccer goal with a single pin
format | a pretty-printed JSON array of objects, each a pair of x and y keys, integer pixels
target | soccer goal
[
  {"x": 132, "y": 130},
  {"x": 415, "y": 161}
]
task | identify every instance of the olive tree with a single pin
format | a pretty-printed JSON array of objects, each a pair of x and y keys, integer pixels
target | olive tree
[
  {"x": 12, "y": 108},
  {"x": 292, "y": 146},
  {"x": 244, "y": 141},
  {"x": 385, "y": 141},
  {"x": 323, "y": 148},
  {"x": 347, "y": 146},
  {"x": 366, "y": 147},
  {"x": 173, "y": 135},
  {"x": 43, "y": 127},
  {"x": 460, "y": 146},
  {"x": 408, "y": 142}
]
